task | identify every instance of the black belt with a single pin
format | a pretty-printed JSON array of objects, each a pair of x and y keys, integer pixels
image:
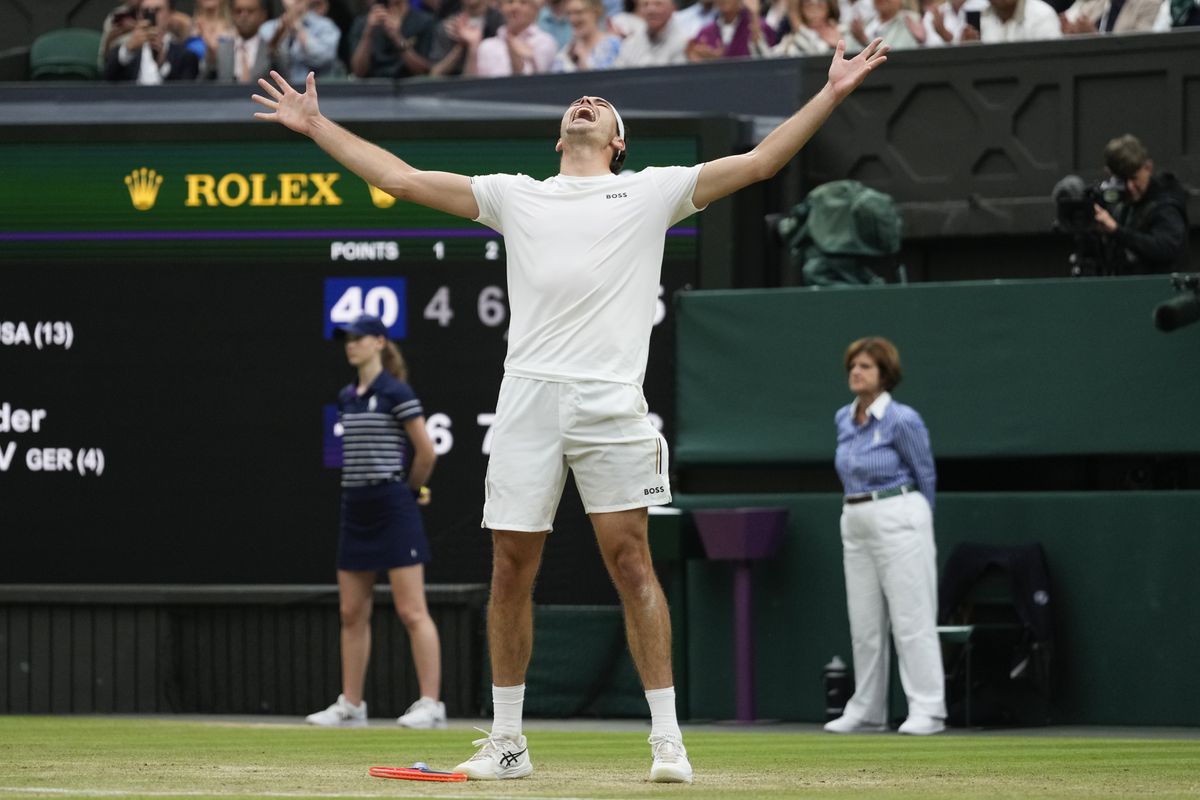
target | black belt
[
  {"x": 381, "y": 481},
  {"x": 882, "y": 494}
]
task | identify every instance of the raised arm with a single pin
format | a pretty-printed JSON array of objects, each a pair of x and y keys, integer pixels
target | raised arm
[
  {"x": 725, "y": 176},
  {"x": 298, "y": 111}
]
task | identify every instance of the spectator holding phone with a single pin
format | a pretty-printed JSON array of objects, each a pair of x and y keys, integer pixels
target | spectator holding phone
[
  {"x": 121, "y": 21},
  {"x": 945, "y": 20},
  {"x": 1015, "y": 21},
  {"x": 151, "y": 54}
]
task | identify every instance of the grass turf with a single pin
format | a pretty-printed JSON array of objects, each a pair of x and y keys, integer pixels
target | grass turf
[{"x": 44, "y": 757}]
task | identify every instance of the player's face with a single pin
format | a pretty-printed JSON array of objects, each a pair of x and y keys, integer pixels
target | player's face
[
  {"x": 361, "y": 349},
  {"x": 590, "y": 114},
  {"x": 864, "y": 375}
]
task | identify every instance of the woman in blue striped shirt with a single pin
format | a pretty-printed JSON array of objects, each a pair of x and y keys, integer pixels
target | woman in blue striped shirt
[
  {"x": 886, "y": 466},
  {"x": 387, "y": 457}
]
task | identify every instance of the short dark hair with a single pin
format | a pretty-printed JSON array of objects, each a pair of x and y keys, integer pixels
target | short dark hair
[
  {"x": 883, "y": 353},
  {"x": 1125, "y": 155}
]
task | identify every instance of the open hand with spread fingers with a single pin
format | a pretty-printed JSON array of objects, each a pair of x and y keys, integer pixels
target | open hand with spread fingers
[
  {"x": 845, "y": 74},
  {"x": 288, "y": 107}
]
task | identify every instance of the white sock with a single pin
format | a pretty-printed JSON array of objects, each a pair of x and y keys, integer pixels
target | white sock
[
  {"x": 662, "y": 712},
  {"x": 508, "y": 703}
]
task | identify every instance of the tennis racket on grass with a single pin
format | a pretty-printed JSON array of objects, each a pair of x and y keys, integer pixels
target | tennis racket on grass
[{"x": 417, "y": 772}]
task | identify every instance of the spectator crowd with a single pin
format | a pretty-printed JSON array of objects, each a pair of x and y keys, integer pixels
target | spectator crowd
[{"x": 240, "y": 41}]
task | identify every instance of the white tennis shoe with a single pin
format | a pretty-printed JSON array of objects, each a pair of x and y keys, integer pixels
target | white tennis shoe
[
  {"x": 849, "y": 724},
  {"x": 425, "y": 713},
  {"x": 922, "y": 726},
  {"x": 671, "y": 763},
  {"x": 498, "y": 758},
  {"x": 340, "y": 715}
]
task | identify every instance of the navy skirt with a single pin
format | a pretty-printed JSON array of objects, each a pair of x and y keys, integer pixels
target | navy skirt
[{"x": 381, "y": 528}]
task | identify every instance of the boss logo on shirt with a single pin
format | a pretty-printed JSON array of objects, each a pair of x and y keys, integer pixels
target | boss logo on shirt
[
  {"x": 616, "y": 195},
  {"x": 655, "y": 490}
]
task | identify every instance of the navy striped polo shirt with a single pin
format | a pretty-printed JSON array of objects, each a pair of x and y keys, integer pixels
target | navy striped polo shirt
[{"x": 375, "y": 446}]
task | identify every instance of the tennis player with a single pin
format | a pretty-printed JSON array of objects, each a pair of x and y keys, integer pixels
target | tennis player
[{"x": 584, "y": 257}]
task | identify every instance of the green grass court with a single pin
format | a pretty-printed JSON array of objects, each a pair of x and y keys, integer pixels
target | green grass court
[{"x": 43, "y": 757}]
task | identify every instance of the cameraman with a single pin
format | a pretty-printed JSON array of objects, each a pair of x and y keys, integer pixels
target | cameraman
[{"x": 1150, "y": 228}]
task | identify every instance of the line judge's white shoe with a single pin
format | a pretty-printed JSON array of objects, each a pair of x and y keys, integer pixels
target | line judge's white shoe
[
  {"x": 849, "y": 724},
  {"x": 498, "y": 758},
  {"x": 922, "y": 726},
  {"x": 425, "y": 713},
  {"x": 340, "y": 715},
  {"x": 671, "y": 763}
]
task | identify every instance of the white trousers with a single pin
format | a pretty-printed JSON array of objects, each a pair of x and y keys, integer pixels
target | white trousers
[{"x": 891, "y": 588}]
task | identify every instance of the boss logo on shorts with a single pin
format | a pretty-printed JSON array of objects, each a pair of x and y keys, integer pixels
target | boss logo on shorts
[{"x": 655, "y": 490}]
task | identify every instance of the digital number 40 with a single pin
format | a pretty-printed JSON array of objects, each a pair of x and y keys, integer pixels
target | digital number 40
[{"x": 379, "y": 301}]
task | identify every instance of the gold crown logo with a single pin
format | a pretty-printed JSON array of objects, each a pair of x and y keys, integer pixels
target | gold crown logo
[
  {"x": 380, "y": 198},
  {"x": 143, "y": 188}
]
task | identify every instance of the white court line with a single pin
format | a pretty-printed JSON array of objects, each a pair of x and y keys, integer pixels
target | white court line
[{"x": 56, "y": 791}]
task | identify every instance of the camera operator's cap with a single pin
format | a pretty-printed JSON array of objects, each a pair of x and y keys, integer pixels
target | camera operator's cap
[{"x": 365, "y": 325}]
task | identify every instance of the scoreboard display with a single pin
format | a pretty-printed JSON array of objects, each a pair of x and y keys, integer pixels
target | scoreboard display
[{"x": 167, "y": 369}]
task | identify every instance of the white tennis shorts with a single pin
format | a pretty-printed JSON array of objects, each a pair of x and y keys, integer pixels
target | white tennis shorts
[{"x": 597, "y": 429}]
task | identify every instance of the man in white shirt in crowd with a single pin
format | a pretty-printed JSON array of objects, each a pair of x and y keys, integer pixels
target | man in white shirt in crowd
[
  {"x": 662, "y": 42},
  {"x": 1015, "y": 21},
  {"x": 520, "y": 47},
  {"x": 302, "y": 39},
  {"x": 944, "y": 21},
  {"x": 584, "y": 253}
]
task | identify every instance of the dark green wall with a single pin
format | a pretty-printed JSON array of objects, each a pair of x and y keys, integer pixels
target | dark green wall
[
  {"x": 1125, "y": 601},
  {"x": 996, "y": 369},
  {"x": 1008, "y": 376}
]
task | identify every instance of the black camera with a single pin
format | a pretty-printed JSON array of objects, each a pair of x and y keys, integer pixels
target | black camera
[
  {"x": 1075, "y": 202},
  {"x": 150, "y": 15},
  {"x": 1183, "y": 309}
]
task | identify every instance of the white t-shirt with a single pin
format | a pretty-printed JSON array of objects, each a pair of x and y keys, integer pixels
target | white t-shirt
[
  {"x": 584, "y": 261},
  {"x": 1032, "y": 21}
]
